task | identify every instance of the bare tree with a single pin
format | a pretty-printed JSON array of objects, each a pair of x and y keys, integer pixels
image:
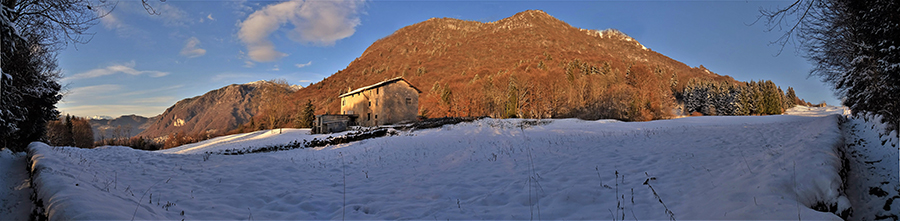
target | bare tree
[{"x": 273, "y": 95}]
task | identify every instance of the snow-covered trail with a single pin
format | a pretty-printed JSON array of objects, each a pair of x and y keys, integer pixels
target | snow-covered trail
[
  {"x": 15, "y": 187},
  {"x": 771, "y": 167},
  {"x": 873, "y": 184}
]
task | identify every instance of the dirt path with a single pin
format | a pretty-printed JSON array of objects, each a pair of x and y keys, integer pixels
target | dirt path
[
  {"x": 15, "y": 187},
  {"x": 872, "y": 176}
]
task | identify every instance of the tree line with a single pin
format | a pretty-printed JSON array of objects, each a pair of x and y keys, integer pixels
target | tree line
[
  {"x": 70, "y": 131},
  {"x": 597, "y": 90},
  {"x": 730, "y": 98}
]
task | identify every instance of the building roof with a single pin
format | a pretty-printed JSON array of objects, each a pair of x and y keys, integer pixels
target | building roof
[{"x": 379, "y": 84}]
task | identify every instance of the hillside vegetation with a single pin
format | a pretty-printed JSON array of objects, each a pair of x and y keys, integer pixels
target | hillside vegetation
[{"x": 530, "y": 65}]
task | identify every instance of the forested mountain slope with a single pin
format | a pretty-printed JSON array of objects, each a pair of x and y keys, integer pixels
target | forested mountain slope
[{"x": 528, "y": 65}]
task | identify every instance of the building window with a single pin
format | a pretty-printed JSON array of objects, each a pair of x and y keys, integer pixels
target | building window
[
  {"x": 368, "y": 116},
  {"x": 369, "y": 104},
  {"x": 343, "y": 102},
  {"x": 376, "y": 90},
  {"x": 376, "y": 116}
]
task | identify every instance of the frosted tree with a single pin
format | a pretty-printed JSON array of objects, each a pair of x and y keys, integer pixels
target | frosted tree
[
  {"x": 854, "y": 45},
  {"x": 31, "y": 32}
]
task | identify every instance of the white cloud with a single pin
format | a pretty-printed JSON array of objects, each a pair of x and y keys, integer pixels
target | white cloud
[
  {"x": 171, "y": 16},
  {"x": 210, "y": 17},
  {"x": 303, "y": 65},
  {"x": 153, "y": 91},
  {"x": 275, "y": 68},
  {"x": 240, "y": 7},
  {"x": 191, "y": 48},
  {"x": 316, "y": 22},
  {"x": 111, "y": 21},
  {"x": 249, "y": 64},
  {"x": 127, "y": 68}
]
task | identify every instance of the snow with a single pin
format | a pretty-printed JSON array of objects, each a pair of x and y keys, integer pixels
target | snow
[
  {"x": 817, "y": 111},
  {"x": 100, "y": 117},
  {"x": 874, "y": 171},
  {"x": 252, "y": 139},
  {"x": 14, "y": 187},
  {"x": 770, "y": 167}
]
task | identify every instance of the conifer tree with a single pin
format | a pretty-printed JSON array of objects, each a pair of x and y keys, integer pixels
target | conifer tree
[{"x": 307, "y": 115}]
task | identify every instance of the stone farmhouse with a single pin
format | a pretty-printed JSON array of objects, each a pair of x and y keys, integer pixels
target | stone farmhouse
[{"x": 388, "y": 102}]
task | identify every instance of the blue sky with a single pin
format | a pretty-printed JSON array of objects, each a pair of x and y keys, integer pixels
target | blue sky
[{"x": 141, "y": 64}]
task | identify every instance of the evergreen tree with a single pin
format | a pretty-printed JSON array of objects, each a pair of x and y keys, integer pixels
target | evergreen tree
[
  {"x": 792, "y": 98},
  {"x": 307, "y": 115}
]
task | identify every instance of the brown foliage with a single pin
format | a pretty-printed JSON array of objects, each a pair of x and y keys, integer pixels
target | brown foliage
[
  {"x": 137, "y": 142},
  {"x": 529, "y": 65},
  {"x": 178, "y": 139},
  {"x": 70, "y": 131}
]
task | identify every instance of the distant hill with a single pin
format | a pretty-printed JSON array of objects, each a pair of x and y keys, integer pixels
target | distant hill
[
  {"x": 125, "y": 126},
  {"x": 528, "y": 65},
  {"x": 216, "y": 112}
]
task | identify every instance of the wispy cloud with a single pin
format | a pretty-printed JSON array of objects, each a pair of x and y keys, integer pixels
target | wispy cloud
[
  {"x": 226, "y": 76},
  {"x": 192, "y": 48},
  {"x": 115, "y": 100},
  {"x": 240, "y": 7},
  {"x": 170, "y": 15},
  {"x": 113, "y": 22},
  {"x": 303, "y": 65},
  {"x": 114, "y": 109},
  {"x": 249, "y": 64},
  {"x": 275, "y": 68},
  {"x": 126, "y": 68},
  {"x": 316, "y": 22},
  {"x": 210, "y": 17},
  {"x": 155, "y": 100},
  {"x": 88, "y": 93},
  {"x": 153, "y": 91}
]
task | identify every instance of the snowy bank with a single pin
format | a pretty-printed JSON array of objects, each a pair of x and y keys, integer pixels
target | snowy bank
[
  {"x": 14, "y": 187},
  {"x": 874, "y": 168},
  {"x": 771, "y": 167}
]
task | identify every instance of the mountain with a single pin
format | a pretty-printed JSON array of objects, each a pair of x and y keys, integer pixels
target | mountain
[
  {"x": 105, "y": 127},
  {"x": 528, "y": 65},
  {"x": 216, "y": 112}
]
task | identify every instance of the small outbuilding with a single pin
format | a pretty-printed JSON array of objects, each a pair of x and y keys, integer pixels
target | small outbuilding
[{"x": 331, "y": 123}]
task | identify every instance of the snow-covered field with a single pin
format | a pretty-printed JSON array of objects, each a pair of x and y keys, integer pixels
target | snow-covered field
[{"x": 771, "y": 167}]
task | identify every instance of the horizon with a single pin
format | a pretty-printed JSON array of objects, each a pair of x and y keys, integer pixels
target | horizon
[{"x": 195, "y": 47}]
